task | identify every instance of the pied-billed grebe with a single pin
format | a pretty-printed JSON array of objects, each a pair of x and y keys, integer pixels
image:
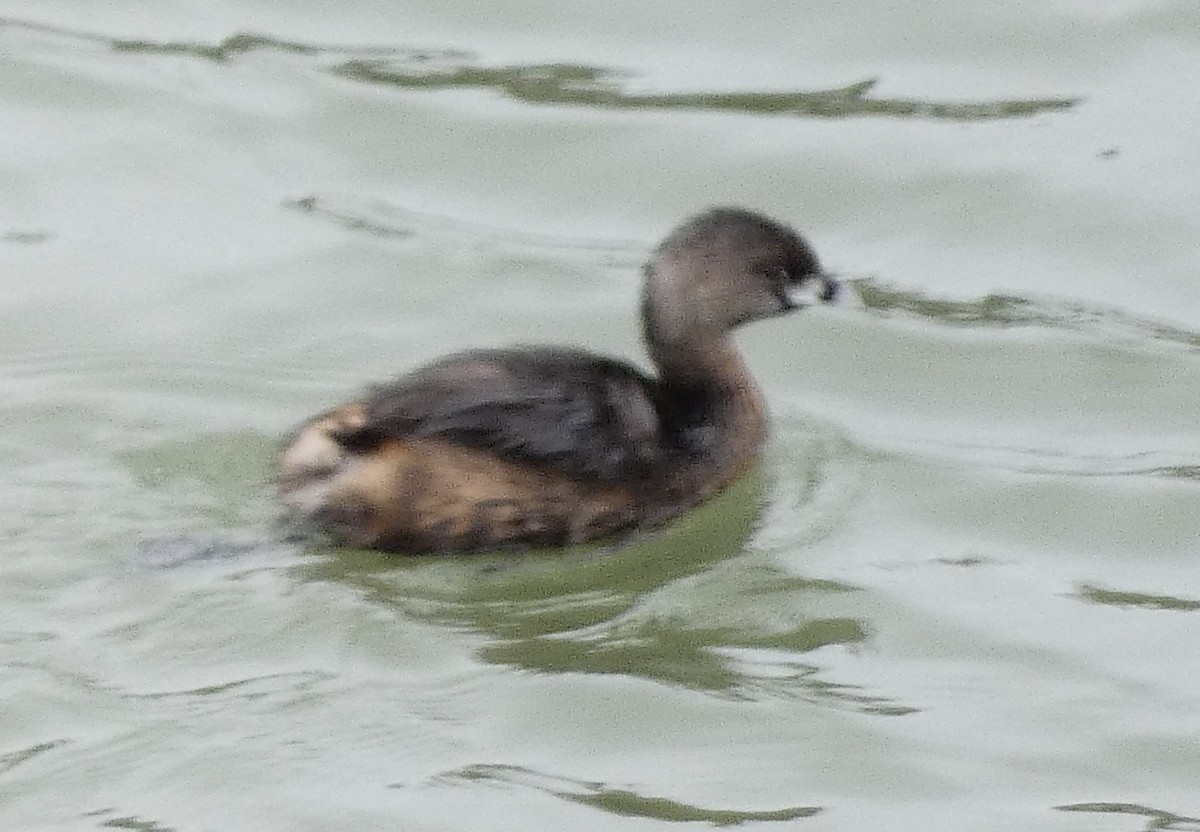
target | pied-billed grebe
[{"x": 550, "y": 446}]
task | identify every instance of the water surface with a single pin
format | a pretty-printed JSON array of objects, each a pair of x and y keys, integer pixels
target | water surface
[{"x": 961, "y": 590}]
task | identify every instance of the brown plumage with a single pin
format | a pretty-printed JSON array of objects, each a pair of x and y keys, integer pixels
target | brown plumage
[{"x": 547, "y": 446}]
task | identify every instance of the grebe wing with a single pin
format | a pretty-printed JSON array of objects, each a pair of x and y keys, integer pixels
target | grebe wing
[{"x": 565, "y": 411}]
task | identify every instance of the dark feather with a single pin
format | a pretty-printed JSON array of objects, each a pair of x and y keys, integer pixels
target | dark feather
[{"x": 567, "y": 411}]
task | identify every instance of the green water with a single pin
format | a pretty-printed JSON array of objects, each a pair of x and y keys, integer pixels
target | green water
[{"x": 960, "y": 592}]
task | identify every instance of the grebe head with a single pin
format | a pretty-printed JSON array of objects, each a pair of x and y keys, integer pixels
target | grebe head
[{"x": 727, "y": 267}]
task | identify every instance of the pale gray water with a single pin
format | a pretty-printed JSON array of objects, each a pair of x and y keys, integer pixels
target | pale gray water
[{"x": 962, "y": 592}]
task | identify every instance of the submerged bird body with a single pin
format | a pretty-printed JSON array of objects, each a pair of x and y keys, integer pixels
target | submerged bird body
[{"x": 547, "y": 446}]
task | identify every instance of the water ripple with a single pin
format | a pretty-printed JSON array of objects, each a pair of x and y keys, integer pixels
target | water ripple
[
  {"x": 1156, "y": 819},
  {"x": 1002, "y": 311},
  {"x": 591, "y": 86},
  {"x": 620, "y": 801},
  {"x": 383, "y": 218},
  {"x": 1123, "y": 598},
  {"x": 13, "y": 759},
  {"x": 572, "y": 84}
]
